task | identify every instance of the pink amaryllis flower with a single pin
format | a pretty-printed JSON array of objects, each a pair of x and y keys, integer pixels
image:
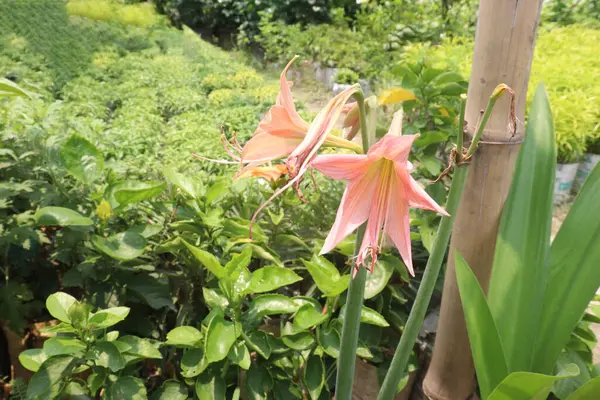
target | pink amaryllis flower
[
  {"x": 380, "y": 190},
  {"x": 282, "y": 129}
]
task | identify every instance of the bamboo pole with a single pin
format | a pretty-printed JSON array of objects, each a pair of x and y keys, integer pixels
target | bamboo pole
[{"x": 504, "y": 44}]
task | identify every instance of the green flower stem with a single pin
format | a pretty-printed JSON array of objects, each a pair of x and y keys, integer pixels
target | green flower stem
[
  {"x": 498, "y": 92},
  {"x": 434, "y": 263},
  {"x": 461, "y": 125},
  {"x": 356, "y": 291},
  {"x": 432, "y": 270}
]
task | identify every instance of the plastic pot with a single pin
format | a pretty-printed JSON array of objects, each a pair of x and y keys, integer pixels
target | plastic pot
[
  {"x": 565, "y": 175},
  {"x": 585, "y": 167}
]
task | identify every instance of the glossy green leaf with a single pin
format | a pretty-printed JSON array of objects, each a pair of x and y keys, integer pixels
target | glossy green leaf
[
  {"x": 108, "y": 317},
  {"x": 519, "y": 270},
  {"x": 486, "y": 345},
  {"x": 565, "y": 387},
  {"x": 329, "y": 339},
  {"x": 236, "y": 283},
  {"x": 193, "y": 363},
  {"x": 218, "y": 190},
  {"x": 239, "y": 355},
  {"x": 210, "y": 387},
  {"x": 75, "y": 390},
  {"x": 381, "y": 275},
  {"x": 32, "y": 359},
  {"x": 238, "y": 261},
  {"x": 308, "y": 316},
  {"x": 127, "y": 387},
  {"x": 573, "y": 274},
  {"x": 447, "y": 77},
  {"x": 187, "y": 185},
  {"x": 141, "y": 347},
  {"x": 107, "y": 354},
  {"x": 265, "y": 253},
  {"x": 326, "y": 276},
  {"x": 46, "y": 382},
  {"x": 214, "y": 298},
  {"x": 220, "y": 336},
  {"x": 60, "y": 345},
  {"x": 82, "y": 159},
  {"x": 171, "y": 390},
  {"x": 314, "y": 376},
  {"x": 589, "y": 391},
  {"x": 270, "y": 278},
  {"x": 258, "y": 341},
  {"x": 240, "y": 228},
  {"x": 209, "y": 261},
  {"x": 96, "y": 380},
  {"x": 78, "y": 314},
  {"x": 297, "y": 340},
  {"x": 123, "y": 246},
  {"x": 58, "y": 305},
  {"x": 184, "y": 336},
  {"x": 128, "y": 192},
  {"x": 372, "y": 317},
  {"x": 529, "y": 385},
  {"x": 272, "y": 304},
  {"x": 154, "y": 290},
  {"x": 259, "y": 382},
  {"x": 146, "y": 230},
  {"x": 452, "y": 89},
  {"x": 60, "y": 216}
]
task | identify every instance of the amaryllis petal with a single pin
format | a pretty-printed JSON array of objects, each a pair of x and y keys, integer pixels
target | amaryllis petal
[
  {"x": 418, "y": 197},
  {"x": 318, "y": 132},
  {"x": 268, "y": 173},
  {"x": 341, "y": 166},
  {"x": 353, "y": 211},
  {"x": 394, "y": 148},
  {"x": 265, "y": 147},
  {"x": 397, "y": 224},
  {"x": 285, "y": 98}
]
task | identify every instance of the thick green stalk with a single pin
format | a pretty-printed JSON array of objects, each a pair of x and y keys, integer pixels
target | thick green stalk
[
  {"x": 356, "y": 290},
  {"x": 432, "y": 270},
  {"x": 350, "y": 328}
]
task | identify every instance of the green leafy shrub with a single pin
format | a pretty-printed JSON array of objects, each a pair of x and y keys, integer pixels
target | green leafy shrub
[
  {"x": 570, "y": 78},
  {"x": 141, "y": 14},
  {"x": 346, "y": 76}
]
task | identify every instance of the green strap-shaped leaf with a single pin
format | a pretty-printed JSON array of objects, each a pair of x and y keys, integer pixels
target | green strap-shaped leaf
[
  {"x": 522, "y": 247},
  {"x": 589, "y": 391},
  {"x": 529, "y": 385},
  {"x": 9, "y": 89},
  {"x": 574, "y": 275},
  {"x": 486, "y": 346}
]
